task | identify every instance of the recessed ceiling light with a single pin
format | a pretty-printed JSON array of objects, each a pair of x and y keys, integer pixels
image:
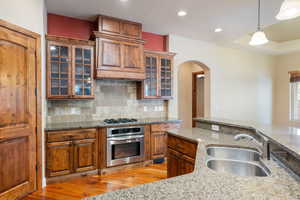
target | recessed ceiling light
[
  {"x": 217, "y": 30},
  {"x": 181, "y": 13},
  {"x": 124, "y": 0}
]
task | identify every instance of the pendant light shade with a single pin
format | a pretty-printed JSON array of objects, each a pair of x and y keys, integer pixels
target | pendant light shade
[
  {"x": 289, "y": 9},
  {"x": 259, "y": 37}
]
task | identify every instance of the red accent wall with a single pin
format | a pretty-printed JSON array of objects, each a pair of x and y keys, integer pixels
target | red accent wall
[
  {"x": 59, "y": 25},
  {"x": 70, "y": 27},
  {"x": 154, "y": 41}
]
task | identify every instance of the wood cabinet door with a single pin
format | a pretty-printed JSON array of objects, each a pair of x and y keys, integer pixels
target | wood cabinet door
[
  {"x": 109, "y": 54},
  {"x": 59, "y": 70},
  {"x": 158, "y": 144},
  {"x": 133, "y": 57},
  {"x": 85, "y": 155},
  {"x": 82, "y": 73},
  {"x": 59, "y": 158},
  {"x": 18, "y": 65},
  {"x": 186, "y": 165},
  {"x": 173, "y": 163}
]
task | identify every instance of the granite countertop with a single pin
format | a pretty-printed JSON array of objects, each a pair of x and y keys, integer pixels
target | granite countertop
[
  {"x": 283, "y": 135},
  {"x": 205, "y": 183},
  {"x": 99, "y": 124}
]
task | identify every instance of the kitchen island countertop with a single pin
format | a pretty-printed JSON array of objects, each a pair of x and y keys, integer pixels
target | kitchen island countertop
[{"x": 204, "y": 183}]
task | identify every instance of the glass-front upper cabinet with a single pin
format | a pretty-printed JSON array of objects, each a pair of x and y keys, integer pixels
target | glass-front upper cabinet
[
  {"x": 59, "y": 70},
  {"x": 151, "y": 82},
  {"x": 166, "y": 77},
  {"x": 69, "y": 69},
  {"x": 158, "y": 82},
  {"x": 83, "y": 72}
]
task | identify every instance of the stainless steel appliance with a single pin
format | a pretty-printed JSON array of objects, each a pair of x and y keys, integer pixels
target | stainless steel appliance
[{"x": 125, "y": 145}]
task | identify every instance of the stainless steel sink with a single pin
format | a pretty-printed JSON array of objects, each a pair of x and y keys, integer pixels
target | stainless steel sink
[
  {"x": 239, "y": 168},
  {"x": 233, "y": 153}
]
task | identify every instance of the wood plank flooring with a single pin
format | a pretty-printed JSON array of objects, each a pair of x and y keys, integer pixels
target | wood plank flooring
[{"x": 93, "y": 185}]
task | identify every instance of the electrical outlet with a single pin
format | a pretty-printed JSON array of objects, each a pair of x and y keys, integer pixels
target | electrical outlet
[
  {"x": 215, "y": 127},
  {"x": 145, "y": 108}
]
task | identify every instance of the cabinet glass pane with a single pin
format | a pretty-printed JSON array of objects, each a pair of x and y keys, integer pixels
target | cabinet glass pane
[
  {"x": 64, "y": 75},
  {"x": 64, "y": 91},
  {"x": 54, "y": 75},
  {"x": 78, "y": 55},
  {"x": 54, "y": 51},
  {"x": 64, "y": 52},
  {"x": 54, "y": 67},
  {"x": 54, "y": 91},
  {"x": 55, "y": 83},
  {"x": 87, "y": 70},
  {"x": 87, "y": 91},
  {"x": 87, "y": 56},
  {"x": 63, "y": 83}
]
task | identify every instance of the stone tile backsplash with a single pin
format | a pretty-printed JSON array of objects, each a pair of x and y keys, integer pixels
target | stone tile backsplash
[{"x": 113, "y": 99}]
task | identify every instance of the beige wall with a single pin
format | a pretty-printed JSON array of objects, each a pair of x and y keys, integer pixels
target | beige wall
[
  {"x": 284, "y": 64},
  {"x": 241, "y": 81},
  {"x": 29, "y": 14}
]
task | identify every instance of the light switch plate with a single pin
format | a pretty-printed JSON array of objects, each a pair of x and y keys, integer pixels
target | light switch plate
[{"x": 215, "y": 127}]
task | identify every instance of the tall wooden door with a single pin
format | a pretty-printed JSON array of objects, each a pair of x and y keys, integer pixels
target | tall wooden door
[{"x": 17, "y": 114}]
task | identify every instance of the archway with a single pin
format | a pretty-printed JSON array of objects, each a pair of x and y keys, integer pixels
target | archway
[{"x": 186, "y": 99}]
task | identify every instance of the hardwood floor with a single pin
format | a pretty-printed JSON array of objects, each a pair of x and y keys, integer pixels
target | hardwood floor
[{"x": 94, "y": 185}]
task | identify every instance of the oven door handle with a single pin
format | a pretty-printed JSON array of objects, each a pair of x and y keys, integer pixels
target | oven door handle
[{"x": 125, "y": 138}]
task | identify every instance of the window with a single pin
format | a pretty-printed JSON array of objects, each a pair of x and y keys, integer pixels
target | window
[{"x": 295, "y": 95}]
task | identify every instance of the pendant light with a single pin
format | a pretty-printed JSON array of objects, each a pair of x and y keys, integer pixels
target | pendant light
[
  {"x": 289, "y": 9},
  {"x": 259, "y": 37}
]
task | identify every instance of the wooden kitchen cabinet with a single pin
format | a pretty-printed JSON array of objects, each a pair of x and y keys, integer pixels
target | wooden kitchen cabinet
[
  {"x": 119, "y": 49},
  {"x": 159, "y": 139},
  {"x": 119, "y": 27},
  {"x": 59, "y": 158},
  {"x": 85, "y": 155},
  {"x": 158, "y": 82},
  {"x": 181, "y": 156},
  {"x": 70, "y": 152},
  {"x": 119, "y": 58},
  {"x": 70, "y": 67},
  {"x": 158, "y": 144}
]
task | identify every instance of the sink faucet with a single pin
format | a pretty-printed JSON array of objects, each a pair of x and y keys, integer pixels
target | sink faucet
[{"x": 263, "y": 145}]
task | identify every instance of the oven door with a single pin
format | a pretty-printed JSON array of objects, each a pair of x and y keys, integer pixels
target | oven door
[{"x": 122, "y": 150}]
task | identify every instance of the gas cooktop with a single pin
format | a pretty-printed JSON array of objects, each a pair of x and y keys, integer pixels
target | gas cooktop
[{"x": 120, "y": 120}]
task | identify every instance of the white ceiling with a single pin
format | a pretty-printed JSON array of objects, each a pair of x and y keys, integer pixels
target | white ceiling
[{"x": 236, "y": 17}]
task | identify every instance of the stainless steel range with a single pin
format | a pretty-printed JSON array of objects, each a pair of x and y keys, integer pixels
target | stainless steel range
[{"x": 125, "y": 145}]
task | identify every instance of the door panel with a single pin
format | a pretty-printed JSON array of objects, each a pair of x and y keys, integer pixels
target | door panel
[
  {"x": 132, "y": 58},
  {"x": 18, "y": 167},
  {"x": 17, "y": 114},
  {"x": 158, "y": 144},
  {"x": 111, "y": 55},
  {"x": 85, "y": 157},
  {"x": 59, "y": 158}
]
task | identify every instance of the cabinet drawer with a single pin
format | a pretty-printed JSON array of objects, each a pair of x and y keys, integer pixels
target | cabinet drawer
[
  {"x": 164, "y": 127},
  {"x": 186, "y": 147},
  {"x": 60, "y": 136}
]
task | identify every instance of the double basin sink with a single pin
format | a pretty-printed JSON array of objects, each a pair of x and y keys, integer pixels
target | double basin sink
[{"x": 235, "y": 160}]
